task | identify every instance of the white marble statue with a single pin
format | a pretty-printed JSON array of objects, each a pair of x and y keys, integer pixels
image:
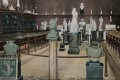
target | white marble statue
[
  {"x": 74, "y": 24},
  {"x": 82, "y": 24},
  {"x": 69, "y": 25},
  {"x": 100, "y": 23},
  {"x": 65, "y": 25},
  {"x": 94, "y": 28},
  {"x": 45, "y": 25}
]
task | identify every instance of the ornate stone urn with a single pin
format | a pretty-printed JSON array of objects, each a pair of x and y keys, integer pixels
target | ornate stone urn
[{"x": 5, "y": 3}]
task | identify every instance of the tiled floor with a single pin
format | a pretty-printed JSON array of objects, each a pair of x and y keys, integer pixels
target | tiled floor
[{"x": 36, "y": 67}]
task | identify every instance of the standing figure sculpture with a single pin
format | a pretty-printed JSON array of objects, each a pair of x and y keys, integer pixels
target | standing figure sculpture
[
  {"x": 74, "y": 25},
  {"x": 94, "y": 25},
  {"x": 73, "y": 34},
  {"x": 65, "y": 32},
  {"x": 65, "y": 25},
  {"x": 69, "y": 24},
  {"x": 101, "y": 23},
  {"x": 45, "y": 25}
]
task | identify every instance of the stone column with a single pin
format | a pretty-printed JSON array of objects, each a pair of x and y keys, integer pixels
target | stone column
[{"x": 53, "y": 60}]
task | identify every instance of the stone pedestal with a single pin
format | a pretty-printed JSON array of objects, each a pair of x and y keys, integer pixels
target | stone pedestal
[
  {"x": 53, "y": 74},
  {"x": 53, "y": 60},
  {"x": 94, "y": 35},
  {"x": 65, "y": 38},
  {"x": 81, "y": 11},
  {"x": 94, "y": 70},
  {"x": 73, "y": 44},
  {"x": 101, "y": 35},
  {"x": 79, "y": 37}
]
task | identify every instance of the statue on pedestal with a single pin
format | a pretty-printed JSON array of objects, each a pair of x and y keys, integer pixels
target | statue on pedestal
[
  {"x": 101, "y": 24},
  {"x": 74, "y": 24},
  {"x": 81, "y": 8},
  {"x": 73, "y": 35}
]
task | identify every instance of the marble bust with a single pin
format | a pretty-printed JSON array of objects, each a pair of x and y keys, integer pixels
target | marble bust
[
  {"x": 10, "y": 48},
  {"x": 53, "y": 35},
  {"x": 74, "y": 25},
  {"x": 81, "y": 6},
  {"x": 5, "y": 3}
]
